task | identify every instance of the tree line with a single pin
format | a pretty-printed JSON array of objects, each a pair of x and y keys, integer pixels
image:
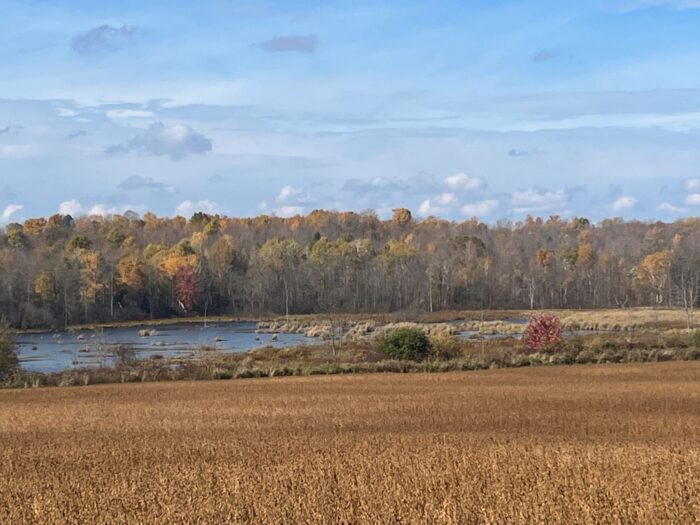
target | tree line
[{"x": 60, "y": 271}]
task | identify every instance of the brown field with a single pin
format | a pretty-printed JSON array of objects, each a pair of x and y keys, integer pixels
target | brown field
[{"x": 584, "y": 444}]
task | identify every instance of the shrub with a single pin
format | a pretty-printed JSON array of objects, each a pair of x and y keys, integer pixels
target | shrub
[
  {"x": 692, "y": 354},
  {"x": 444, "y": 346},
  {"x": 9, "y": 363},
  {"x": 676, "y": 340},
  {"x": 406, "y": 343},
  {"x": 124, "y": 356},
  {"x": 249, "y": 373},
  {"x": 221, "y": 373},
  {"x": 695, "y": 338},
  {"x": 586, "y": 356},
  {"x": 542, "y": 333}
]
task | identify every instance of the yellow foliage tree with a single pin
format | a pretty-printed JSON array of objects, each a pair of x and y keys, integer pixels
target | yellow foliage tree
[
  {"x": 130, "y": 272},
  {"x": 654, "y": 272},
  {"x": 44, "y": 286}
]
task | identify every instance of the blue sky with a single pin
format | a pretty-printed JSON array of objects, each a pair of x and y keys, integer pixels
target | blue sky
[{"x": 458, "y": 108}]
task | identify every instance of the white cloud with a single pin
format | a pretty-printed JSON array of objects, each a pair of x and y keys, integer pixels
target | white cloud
[
  {"x": 441, "y": 204},
  {"x": 74, "y": 209},
  {"x": 288, "y": 211},
  {"x": 446, "y": 199},
  {"x": 71, "y": 207},
  {"x": 692, "y": 184},
  {"x": 285, "y": 210},
  {"x": 104, "y": 211},
  {"x": 462, "y": 182},
  {"x": 426, "y": 209},
  {"x": 693, "y": 199},
  {"x": 480, "y": 209},
  {"x": 177, "y": 142},
  {"x": 288, "y": 193},
  {"x": 17, "y": 151},
  {"x": 98, "y": 209},
  {"x": 129, "y": 113},
  {"x": 291, "y": 200},
  {"x": 187, "y": 208},
  {"x": 8, "y": 212},
  {"x": 667, "y": 207},
  {"x": 66, "y": 112},
  {"x": 623, "y": 203},
  {"x": 532, "y": 200}
]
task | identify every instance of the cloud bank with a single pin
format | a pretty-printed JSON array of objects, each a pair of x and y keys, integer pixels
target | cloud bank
[{"x": 177, "y": 142}]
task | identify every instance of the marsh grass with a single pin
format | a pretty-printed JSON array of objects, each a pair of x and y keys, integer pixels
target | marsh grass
[{"x": 447, "y": 354}]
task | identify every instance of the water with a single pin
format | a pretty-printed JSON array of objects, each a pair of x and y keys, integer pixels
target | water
[{"x": 56, "y": 351}]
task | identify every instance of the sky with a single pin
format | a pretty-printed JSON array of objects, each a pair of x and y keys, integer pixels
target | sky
[{"x": 488, "y": 108}]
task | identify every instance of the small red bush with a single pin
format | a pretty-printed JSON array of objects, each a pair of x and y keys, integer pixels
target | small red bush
[{"x": 543, "y": 333}]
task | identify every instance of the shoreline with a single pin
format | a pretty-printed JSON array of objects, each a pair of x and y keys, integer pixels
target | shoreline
[
  {"x": 645, "y": 317},
  {"x": 350, "y": 360}
]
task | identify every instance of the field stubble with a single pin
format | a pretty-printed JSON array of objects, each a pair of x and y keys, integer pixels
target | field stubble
[{"x": 603, "y": 444}]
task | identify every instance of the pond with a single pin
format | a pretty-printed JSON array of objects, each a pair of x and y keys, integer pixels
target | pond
[{"x": 56, "y": 351}]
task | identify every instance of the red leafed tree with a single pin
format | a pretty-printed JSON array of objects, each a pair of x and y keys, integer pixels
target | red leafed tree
[
  {"x": 186, "y": 285},
  {"x": 542, "y": 333}
]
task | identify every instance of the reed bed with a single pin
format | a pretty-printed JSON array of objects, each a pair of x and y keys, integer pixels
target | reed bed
[
  {"x": 587, "y": 444},
  {"x": 623, "y": 319}
]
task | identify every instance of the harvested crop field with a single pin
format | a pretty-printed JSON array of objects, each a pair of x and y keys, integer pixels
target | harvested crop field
[{"x": 581, "y": 444}]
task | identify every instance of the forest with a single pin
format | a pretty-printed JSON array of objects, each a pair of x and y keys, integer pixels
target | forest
[{"x": 65, "y": 271}]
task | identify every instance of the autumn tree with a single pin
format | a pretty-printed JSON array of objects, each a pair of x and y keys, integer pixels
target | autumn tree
[
  {"x": 653, "y": 272},
  {"x": 685, "y": 273},
  {"x": 63, "y": 270},
  {"x": 186, "y": 287},
  {"x": 542, "y": 333},
  {"x": 281, "y": 257},
  {"x": 8, "y": 354}
]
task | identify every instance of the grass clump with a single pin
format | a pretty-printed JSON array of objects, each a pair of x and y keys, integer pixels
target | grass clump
[{"x": 444, "y": 346}]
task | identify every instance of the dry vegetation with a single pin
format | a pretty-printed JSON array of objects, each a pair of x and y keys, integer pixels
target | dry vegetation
[
  {"x": 587, "y": 444},
  {"x": 623, "y": 318}
]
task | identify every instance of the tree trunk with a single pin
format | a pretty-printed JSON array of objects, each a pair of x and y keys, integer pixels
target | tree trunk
[{"x": 286, "y": 298}]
